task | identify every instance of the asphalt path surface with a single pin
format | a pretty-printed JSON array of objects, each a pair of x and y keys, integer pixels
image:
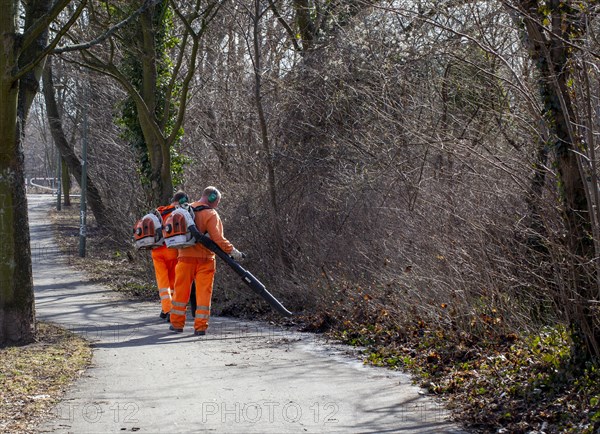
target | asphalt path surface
[{"x": 242, "y": 377}]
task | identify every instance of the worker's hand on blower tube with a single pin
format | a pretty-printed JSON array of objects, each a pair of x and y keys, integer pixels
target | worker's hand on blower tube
[{"x": 236, "y": 254}]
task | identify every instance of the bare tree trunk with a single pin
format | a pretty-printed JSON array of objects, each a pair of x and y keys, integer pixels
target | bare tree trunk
[
  {"x": 66, "y": 182},
  {"x": 551, "y": 53},
  {"x": 305, "y": 23},
  {"x": 279, "y": 242},
  {"x": 17, "y": 312},
  {"x": 67, "y": 152},
  {"x": 158, "y": 148},
  {"x": 17, "y": 308}
]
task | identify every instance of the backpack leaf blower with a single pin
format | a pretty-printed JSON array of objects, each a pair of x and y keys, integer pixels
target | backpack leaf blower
[{"x": 246, "y": 276}]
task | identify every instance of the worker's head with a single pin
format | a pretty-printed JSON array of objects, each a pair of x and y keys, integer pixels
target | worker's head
[
  {"x": 211, "y": 196},
  {"x": 180, "y": 198}
]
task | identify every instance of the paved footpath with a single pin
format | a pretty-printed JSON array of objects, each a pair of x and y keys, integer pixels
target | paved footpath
[{"x": 243, "y": 377}]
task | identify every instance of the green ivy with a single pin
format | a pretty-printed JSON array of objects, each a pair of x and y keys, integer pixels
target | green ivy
[{"x": 131, "y": 67}]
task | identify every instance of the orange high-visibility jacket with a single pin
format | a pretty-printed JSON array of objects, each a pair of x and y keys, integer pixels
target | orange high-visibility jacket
[{"x": 207, "y": 221}]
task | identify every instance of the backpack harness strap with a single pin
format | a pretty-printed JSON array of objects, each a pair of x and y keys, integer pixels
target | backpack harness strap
[
  {"x": 200, "y": 208},
  {"x": 167, "y": 211}
]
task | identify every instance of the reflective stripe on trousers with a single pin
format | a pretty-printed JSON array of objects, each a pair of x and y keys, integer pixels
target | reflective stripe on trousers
[
  {"x": 178, "y": 309},
  {"x": 203, "y": 312}
]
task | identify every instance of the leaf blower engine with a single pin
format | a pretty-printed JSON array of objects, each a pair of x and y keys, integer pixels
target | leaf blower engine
[
  {"x": 147, "y": 232},
  {"x": 176, "y": 229}
]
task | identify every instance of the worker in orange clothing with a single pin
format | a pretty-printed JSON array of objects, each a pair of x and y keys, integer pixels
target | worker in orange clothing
[
  {"x": 165, "y": 259},
  {"x": 197, "y": 262}
]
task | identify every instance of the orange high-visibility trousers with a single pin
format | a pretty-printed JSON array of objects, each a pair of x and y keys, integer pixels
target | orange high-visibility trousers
[
  {"x": 165, "y": 261},
  {"x": 188, "y": 269}
]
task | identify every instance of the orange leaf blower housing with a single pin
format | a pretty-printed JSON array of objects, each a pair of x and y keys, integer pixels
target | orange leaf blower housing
[
  {"x": 147, "y": 233},
  {"x": 175, "y": 229}
]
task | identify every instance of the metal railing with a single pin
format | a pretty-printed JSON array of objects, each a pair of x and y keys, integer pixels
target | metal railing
[{"x": 38, "y": 182}]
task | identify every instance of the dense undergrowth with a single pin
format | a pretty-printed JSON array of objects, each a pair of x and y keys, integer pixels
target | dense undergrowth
[{"x": 494, "y": 382}]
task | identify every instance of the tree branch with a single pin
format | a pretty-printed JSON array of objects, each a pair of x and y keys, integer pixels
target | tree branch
[
  {"x": 109, "y": 32},
  {"x": 285, "y": 25},
  {"x": 209, "y": 13},
  {"x": 42, "y": 24},
  {"x": 63, "y": 30}
]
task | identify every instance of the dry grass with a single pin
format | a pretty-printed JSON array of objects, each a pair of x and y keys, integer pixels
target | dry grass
[{"x": 34, "y": 377}]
